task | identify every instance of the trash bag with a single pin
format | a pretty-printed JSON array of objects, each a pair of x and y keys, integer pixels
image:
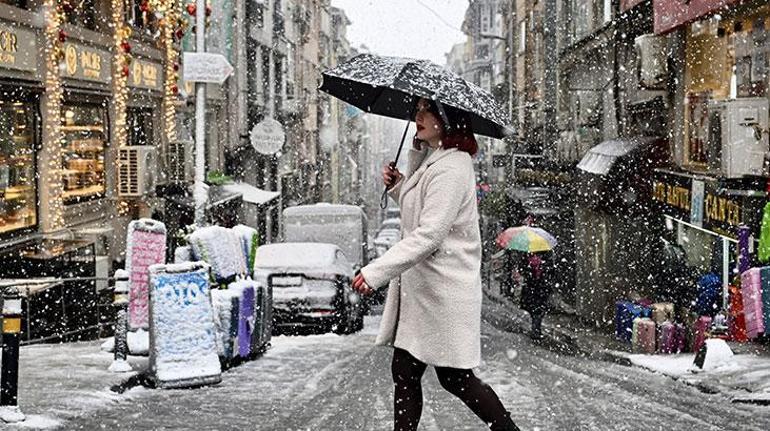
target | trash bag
[{"x": 764, "y": 236}]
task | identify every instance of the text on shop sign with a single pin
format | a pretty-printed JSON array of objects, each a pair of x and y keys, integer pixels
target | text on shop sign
[{"x": 716, "y": 208}]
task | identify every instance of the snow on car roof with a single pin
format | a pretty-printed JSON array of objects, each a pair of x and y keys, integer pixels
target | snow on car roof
[
  {"x": 391, "y": 221},
  {"x": 323, "y": 208},
  {"x": 307, "y": 255}
]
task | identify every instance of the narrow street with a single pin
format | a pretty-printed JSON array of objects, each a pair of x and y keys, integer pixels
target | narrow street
[{"x": 330, "y": 382}]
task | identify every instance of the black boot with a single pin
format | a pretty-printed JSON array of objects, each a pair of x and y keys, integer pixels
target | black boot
[{"x": 507, "y": 424}]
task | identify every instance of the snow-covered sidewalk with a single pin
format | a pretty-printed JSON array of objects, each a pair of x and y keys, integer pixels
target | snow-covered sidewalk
[{"x": 744, "y": 377}]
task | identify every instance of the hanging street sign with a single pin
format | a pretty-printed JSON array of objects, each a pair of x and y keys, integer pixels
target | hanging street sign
[
  {"x": 267, "y": 137},
  {"x": 205, "y": 67}
]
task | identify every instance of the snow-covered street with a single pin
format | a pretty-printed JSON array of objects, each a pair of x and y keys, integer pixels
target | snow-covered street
[{"x": 331, "y": 382}]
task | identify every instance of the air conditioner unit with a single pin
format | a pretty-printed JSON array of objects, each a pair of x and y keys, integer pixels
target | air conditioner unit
[
  {"x": 738, "y": 136},
  {"x": 179, "y": 161},
  {"x": 652, "y": 61},
  {"x": 136, "y": 171}
]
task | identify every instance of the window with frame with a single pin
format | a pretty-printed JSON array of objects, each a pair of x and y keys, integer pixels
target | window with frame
[
  {"x": 18, "y": 184},
  {"x": 140, "y": 122},
  {"x": 82, "y": 13},
  {"x": 85, "y": 132},
  {"x": 138, "y": 16},
  {"x": 21, "y": 4}
]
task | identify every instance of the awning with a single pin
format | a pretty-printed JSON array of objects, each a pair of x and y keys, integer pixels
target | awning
[
  {"x": 250, "y": 193},
  {"x": 599, "y": 159},
  {"x": 217, "y": 195}
]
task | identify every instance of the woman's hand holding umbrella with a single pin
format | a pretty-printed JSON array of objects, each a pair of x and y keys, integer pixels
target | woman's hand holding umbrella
[
  {"x": 390, "y": 175},
  {"x": 360, "y": 286}
]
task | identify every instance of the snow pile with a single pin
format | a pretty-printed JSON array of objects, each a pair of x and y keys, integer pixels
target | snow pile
[
  {"x": 138, "y": 343},
  {"x": 249, "y": 242},
  {"x": 225, "y": 304},
  {"x": 145, "y": 246},
  {"x": 715, "y": 354},
  {"x": 182, "y": 346},
  {"x": 183, "y": 254},
  {"x": 221, "y": 248}
]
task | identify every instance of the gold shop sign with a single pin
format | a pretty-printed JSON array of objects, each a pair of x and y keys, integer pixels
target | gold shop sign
[
  {"x": 18, "y": 48},
  {"x": 86, "y": 63},
  {"x": 145, "y": 74}
]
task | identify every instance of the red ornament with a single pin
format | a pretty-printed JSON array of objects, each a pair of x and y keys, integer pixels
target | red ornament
[
  {"x": 144, "y": 6},
  {"x": 67, "y": 7},
  {"x": 126, "y": 47},
  {"x": 125, "y": 71},
  {"x": 174, "y": 89},
  {"x": 208, "y": 10},
  {"x": 176, "y": 67},
  {"x": 191, "y": 9},
  {"x": 62, "y": 36},
  {"x": 179, "y": 34}
]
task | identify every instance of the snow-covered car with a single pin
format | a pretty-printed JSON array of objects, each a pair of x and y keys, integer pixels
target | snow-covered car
[
  {"x": 390, "y": 235},
  {"x": 393, "y": 212},
  {"x": 311, "y": 285},
  {"x": 381, "y": 245},
  {"x": 343, "y": 225}
]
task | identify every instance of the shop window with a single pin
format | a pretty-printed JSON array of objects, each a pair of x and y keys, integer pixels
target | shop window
[
  {"x": 85, "y": 138},
  {"x": 18, "y": 188},
  {"x": 81, "y": 13},
  {"x": 139, "y": 16},
  {"x": 18, "y": 3},
  {"x": 140, "y": 126}
]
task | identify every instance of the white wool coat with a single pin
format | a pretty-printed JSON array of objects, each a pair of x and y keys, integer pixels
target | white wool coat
[{"x": 433, "y": 305}]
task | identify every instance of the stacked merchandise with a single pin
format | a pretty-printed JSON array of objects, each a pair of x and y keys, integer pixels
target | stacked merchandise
[
  {"x": 226, "y": 306},
  {"x": 755, "y": 286},
  {"x": 653, "y": 327},
  {"x": 249, "y": 243},
  {"x": 221, "y": 248},
  {"x": 183, "y": 351}
]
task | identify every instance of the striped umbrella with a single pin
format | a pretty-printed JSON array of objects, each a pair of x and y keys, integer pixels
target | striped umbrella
[{"x": 527, "y": 239}]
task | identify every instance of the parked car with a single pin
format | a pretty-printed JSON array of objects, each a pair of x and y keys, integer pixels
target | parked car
[
  {"x": 311, "y": 287},
  {"x": 393, "y": 212},
  {"x": 391, "y": 223},
  {"x": 343, "y": 225}
]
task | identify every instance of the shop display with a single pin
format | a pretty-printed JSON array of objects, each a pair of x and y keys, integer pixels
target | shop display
[
  {"x": 643, "y": 337},
  {"x": 18, "y": 187},
  {"x": 701, "y": 332},
  {"x": 751, "y": 286},
  {"x": 662, "y": 311},
  {"x": 666, "y": 337},
  {"x": 625, "y": 313},
  {"x": 736, "y": 321},
  {"x": 85, "y": 138}
]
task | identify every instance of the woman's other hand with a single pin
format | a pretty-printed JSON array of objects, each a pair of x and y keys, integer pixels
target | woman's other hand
[
  {"x": 360, "y": 286},
  {"x": 391, "y": 175}
]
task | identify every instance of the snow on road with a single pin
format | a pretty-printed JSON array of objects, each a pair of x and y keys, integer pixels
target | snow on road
[{"x": 332, "y": 382}]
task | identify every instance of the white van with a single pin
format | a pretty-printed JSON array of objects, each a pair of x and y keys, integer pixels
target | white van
[{"x": 343, "y": 225}]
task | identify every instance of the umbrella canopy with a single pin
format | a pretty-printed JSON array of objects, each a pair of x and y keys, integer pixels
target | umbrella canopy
[
  {"x": 527, "y": 239},
  {"x": 391, "y": 86}
]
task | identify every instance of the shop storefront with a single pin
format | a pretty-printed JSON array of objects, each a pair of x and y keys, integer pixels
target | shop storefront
[
  {"x": 20, "y": 136},
  {"x": 85, "y": 128},
  {"x": 704, "y": 216}
]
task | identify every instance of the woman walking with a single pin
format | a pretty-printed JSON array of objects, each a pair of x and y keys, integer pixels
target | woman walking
[{"x": 432, "y": 312}]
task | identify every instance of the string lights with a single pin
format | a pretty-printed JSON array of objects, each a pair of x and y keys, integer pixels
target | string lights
[{"x": 52, "y": 154}]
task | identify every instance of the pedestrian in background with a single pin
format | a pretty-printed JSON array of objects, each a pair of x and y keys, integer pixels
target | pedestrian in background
[
  {"x": 432, "y": 313},
  {"x": 536, "y": 270}
]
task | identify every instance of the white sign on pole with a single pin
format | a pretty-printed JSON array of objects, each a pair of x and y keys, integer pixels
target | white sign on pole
[
  {"x": 205, "y": 67},
  {"x": 267, "y": 137}
]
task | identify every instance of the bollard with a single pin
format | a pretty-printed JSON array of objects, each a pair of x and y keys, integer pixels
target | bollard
[
  {"x": 120, "y": 302},
  {"x": 9, "y": 373}
]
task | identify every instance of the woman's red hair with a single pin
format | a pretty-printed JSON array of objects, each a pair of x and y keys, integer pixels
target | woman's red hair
[{"x": 460, "y": 133}]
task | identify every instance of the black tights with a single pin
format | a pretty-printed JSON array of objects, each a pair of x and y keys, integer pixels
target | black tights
[{"x": 407, "y": 401}]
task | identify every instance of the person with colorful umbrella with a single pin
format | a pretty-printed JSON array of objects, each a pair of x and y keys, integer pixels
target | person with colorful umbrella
[{"x": 535, "y": 246}]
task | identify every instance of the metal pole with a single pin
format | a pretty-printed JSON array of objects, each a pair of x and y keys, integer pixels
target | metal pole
[
  {"x": 120, "y": 302},
  {"x": 9, "y": 373},
  {"x": 200, "y": 192},
  {"x": 725, "y": 273}
]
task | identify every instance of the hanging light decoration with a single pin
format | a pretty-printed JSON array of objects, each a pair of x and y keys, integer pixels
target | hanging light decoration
[{"x": 52, "y": 155}]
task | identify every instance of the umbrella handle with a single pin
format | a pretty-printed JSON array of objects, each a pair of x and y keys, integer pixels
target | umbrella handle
[{"x": 384, "y": 197}]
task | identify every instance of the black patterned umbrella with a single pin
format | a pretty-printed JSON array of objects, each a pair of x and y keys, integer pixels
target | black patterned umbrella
[{"x": 391, "y": 86}]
